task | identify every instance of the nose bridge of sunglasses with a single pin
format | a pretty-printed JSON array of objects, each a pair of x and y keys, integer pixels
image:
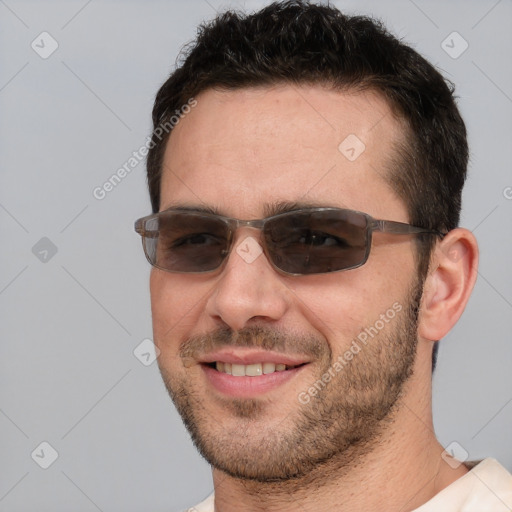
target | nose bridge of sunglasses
[
  {"x": 247, "y": 239},
  {"x": 239, "y": 228},
  {"x": 255, "y": 223},
  {"x": 245, "y": 231}
]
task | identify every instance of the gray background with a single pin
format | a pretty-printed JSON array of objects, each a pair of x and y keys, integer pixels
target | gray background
[{"x": 71, "y": 322}]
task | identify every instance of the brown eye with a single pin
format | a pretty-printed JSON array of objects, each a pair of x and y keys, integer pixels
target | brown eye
[
  {"x": 320, "y": 239},
  {"x": 195, "y": 240}
]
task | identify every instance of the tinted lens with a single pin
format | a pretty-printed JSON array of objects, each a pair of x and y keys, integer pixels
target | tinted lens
[
  {"x": 317, "y": 242},
  {"x": 186, "y": 242}
]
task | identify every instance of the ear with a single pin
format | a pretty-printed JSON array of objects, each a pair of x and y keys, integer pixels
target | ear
[{"x": 450, "y": 280}]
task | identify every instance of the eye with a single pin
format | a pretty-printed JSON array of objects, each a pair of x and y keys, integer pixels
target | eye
[
  {"x": 194, "y": 240},
  {"x": 321, "y": 239}
]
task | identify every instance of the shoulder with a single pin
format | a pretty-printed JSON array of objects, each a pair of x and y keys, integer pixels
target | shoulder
[
  {"x": 205, "y": 506},
  {"x": 487, "y": 487}
]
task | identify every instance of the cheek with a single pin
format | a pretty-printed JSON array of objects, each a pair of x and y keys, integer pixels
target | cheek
[
  {"x": 343, "y": 306},
  {"x": 174, "y": 309}
]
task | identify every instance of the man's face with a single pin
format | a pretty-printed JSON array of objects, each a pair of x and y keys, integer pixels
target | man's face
[{"x": 241, "y": 152}]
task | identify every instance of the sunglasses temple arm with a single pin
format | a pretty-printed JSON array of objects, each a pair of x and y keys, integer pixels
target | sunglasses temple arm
[{"x": 401, "y": 228}]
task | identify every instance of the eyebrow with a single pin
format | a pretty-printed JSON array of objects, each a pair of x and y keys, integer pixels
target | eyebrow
[{"x": 269, "y": 209}]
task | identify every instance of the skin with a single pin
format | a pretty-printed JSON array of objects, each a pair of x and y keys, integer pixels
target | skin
[{"x": 238, "y": 151}]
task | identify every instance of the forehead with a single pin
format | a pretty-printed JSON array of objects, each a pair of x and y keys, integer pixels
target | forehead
[{"x": 238, "y": 151}]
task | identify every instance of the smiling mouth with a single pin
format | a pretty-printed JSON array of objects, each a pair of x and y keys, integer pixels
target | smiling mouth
[{"x": 250, "y": 370}]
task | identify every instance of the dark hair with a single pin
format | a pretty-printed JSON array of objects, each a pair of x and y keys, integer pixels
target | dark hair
[{"x": 299, "y": 42}]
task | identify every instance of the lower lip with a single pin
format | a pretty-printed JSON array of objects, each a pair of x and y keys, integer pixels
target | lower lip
[{"x": 245, "y": 387}]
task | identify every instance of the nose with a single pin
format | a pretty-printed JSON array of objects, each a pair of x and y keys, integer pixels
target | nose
[{"x": 249, "y": 288}]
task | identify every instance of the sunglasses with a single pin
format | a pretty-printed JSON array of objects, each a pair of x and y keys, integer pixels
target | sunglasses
[{"x": 298, "y": 242}]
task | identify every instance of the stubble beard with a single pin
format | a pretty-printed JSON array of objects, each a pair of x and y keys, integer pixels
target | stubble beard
[{"x": 344, "y": 421}]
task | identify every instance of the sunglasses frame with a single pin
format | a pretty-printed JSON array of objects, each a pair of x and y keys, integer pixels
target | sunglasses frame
[{"x": 382, "y": 226}]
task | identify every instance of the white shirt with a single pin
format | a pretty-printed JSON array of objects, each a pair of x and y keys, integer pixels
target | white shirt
[{"x": 486, "y": 488}]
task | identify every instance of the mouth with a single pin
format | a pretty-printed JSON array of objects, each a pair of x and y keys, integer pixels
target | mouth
[
  {"x": 250, "y": 370},
  {"x": 245, "y": 374}
]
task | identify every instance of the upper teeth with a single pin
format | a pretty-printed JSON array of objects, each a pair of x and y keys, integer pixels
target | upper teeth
[{"x": 251, "y": 370}]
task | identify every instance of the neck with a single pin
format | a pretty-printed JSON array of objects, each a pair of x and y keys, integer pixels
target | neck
[{"x": 401, "y": 470}]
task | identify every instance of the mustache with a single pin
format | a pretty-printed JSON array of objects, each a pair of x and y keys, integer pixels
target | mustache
[{"x": 260, "y": 337}]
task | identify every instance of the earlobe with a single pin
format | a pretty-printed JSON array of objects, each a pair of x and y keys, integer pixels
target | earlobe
[{"x": 449, "y": 283}]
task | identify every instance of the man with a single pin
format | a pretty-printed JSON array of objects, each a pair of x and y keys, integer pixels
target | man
[{"x": 305, "y": 175}]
